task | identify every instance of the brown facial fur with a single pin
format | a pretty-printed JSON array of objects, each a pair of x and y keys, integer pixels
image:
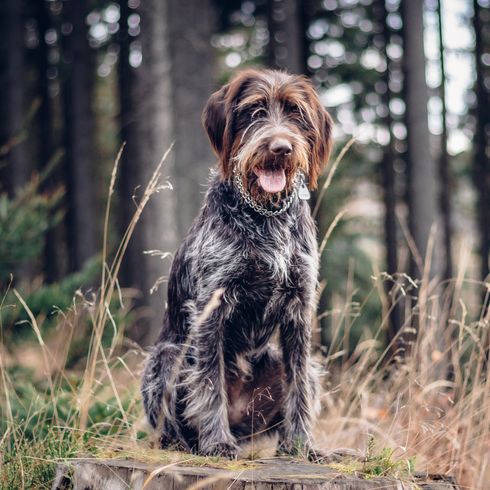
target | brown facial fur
[{"x": 245, "y": 116}]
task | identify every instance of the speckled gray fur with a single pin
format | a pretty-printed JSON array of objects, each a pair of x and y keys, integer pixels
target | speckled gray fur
[{"x": 268, "y": 270}]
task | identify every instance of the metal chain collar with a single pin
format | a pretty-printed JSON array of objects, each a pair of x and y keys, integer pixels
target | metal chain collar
[{"x": 245, "y": 195}]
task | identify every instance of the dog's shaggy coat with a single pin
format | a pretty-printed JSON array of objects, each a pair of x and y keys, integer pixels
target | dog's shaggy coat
[{"x": 215, "y": 377}]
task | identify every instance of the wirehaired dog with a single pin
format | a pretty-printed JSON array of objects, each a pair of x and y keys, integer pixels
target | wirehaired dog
[{"x": 246, "y": 271}]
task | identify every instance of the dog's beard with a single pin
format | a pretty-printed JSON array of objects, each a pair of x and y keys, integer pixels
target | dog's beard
[{"x": 270, "y": 179}]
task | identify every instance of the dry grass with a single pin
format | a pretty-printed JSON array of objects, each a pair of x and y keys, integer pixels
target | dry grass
[{"x": 433, "y": 404}]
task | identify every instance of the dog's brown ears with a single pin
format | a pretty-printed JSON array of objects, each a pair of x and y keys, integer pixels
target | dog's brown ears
[
  {"x": 322, "y": 146},
  {"x": 214, "y": 119},
  {"x": 214, "y": 122},
  {"x": 217, "y": 119}
]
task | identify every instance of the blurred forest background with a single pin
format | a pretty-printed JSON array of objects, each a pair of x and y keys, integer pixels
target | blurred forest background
[
  {"x": 404, "y": 226},
  {"x": 410, "y": 81}
]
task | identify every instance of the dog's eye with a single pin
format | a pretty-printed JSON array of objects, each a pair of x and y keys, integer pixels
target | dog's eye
[
  {"x": 257, "y": 112},
  {"x": 292, "y": 108}
]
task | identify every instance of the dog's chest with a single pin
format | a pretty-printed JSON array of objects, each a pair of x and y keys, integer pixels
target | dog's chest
[{"x": 269, "y": 255}]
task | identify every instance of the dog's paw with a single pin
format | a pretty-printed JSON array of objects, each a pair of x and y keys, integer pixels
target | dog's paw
[
  {"x": 223, "y": 449},
  {"x": 166, "y": 441}
]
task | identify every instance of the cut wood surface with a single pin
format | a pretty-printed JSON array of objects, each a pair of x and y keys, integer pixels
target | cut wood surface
[{"x": 270, "y": 474}]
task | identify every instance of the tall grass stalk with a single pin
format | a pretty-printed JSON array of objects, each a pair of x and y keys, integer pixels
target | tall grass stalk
[{"x": 108, "y": 286}]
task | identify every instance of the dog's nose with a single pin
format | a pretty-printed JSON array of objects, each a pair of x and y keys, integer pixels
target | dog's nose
[{"x": 281, "y": 146}]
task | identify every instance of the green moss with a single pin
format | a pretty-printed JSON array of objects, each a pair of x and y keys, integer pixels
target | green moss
[{"x": 377, "y": 464}]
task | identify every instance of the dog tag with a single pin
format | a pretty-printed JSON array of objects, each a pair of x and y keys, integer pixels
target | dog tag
[{"x": 303, "y": 192}]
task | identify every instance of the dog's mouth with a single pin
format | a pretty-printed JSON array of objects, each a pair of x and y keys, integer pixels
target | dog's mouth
[{"x": 271, "y": 180}]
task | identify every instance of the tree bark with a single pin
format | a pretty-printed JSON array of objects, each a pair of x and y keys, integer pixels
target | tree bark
[
  {"x": 423, "y": 192},
  {"x": 81, "y": 218},
  {"x": 423, "y": 185},
  {"x": 148, "y": 134},
  {"x": 388, "y": 181},
  {"x": 161, "y": 103},
  {"x": 190, "y": 30},
  {"x": 481, "y": 169},
  {"x": 15, "y": 162},
  {"x": 54, "y": 236},
  {"x": 444, "y": 162},
  {"x": 12, "y": 104},
  {"x": 286, "y": 39}
]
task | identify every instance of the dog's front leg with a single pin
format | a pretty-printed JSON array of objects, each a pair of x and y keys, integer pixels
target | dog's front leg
[
  {"x": 206, "y": 404},
  {"x": 295, "y": 435}
]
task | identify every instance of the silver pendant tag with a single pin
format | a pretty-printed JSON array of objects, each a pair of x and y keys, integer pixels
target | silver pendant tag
[{"x": 303, "y": 192}]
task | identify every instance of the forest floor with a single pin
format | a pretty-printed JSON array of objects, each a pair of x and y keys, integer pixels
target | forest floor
[{"x": 58, "y": 404}]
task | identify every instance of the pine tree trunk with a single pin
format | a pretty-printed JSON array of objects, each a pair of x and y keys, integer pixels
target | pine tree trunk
[
  {"x": 423, "y": 190},
  {"x": 286, "y": 50},
  {"x": 13, "y": 110},
  {"x": 306, "y": 12},
  {"x": 388, "y": 181},
  {"x": 81, "y": 218},
  {"x": 54, "y": 236},
  {"x": 15, "y": 162},
  {"x": 190, "y": 30},
  {"x": 149, "y": 133},
  {"x": 444, "y": 163},
  {"x": 481, "y": 169},
  {"x": 161, "y": 103}
]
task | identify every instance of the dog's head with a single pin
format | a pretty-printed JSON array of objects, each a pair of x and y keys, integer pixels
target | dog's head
[{"x": 269, "y": 125}]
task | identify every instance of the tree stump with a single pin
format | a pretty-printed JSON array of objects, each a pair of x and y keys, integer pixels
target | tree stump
[{"x": 270, "y": 474}]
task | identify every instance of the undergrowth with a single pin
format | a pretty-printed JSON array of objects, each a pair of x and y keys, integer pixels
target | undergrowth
[{"x": 31, "y": 463}]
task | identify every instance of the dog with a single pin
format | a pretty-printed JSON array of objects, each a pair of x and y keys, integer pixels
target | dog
[{"x": 232, "y": 359}]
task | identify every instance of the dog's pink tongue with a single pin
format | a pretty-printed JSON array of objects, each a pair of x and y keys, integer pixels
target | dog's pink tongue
[{"x": 272, "y": 180}]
